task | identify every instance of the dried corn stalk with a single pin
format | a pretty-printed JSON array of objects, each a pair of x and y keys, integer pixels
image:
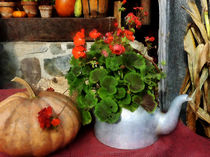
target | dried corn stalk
[{"x": 197, "y": 80}]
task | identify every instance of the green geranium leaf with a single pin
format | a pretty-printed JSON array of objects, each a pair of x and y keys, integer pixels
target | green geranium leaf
[
  {"x": 129, "y": 59},
  {"x": 107, "y": 111},
  {"x": 135, "y": 82},
  {"x": 74, "y": 62},
  {"x": 146, "y": 101},
  {"x": 120, "y": 93},
  {"x": 86, "y": 70},
  {"x": 109, "y": 83},
  {"x": 70, "y": 77},
  {"x": 125, "y": 101},
  {"x": 97, "y": 74},
  {"x": 86, "y": 117},
  {"x": 87, "y": 102},
  {"x": 76, "y": 70},
  {"x": 113, "y": 63},
  {"x": 77, "y": 84},
  {"x": 131, "y": 107},
  {"x": 103, "y": 93},
  {"x": 139, "y": 63}
]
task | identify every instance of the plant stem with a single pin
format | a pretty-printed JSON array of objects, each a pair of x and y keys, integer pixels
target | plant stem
[{"x": 26, "y": 85}]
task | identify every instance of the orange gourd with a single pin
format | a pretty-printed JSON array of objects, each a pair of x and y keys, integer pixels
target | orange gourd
[
  {"x": 20, "y": 131},
  {"x": 65, "y": 7},
  {"x": 19, "y": 14}
]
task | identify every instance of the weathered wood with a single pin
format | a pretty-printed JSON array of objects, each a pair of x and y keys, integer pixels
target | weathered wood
[
  {"x": 117, "y": 13},
  {"x": 85, "y": 8},
  {"x": 51, "y": 29},
  {"x": 93, "y": 8},
  {"x": 103, "y": 7},
  {"x": 146, "y": 4}
]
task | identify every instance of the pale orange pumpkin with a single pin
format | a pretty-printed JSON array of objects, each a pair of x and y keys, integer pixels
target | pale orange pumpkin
[
  {"x": 20, "y": 131},
  {"x": 19, "y": 14},
  {"x": 64, "y": 7}
]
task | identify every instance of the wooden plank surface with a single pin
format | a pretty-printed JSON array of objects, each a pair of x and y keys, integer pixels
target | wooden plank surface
[{"x": 50, "y": 29}]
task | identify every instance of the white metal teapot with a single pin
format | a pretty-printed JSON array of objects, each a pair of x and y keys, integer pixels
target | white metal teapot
[{"x": 139, "y": 129}]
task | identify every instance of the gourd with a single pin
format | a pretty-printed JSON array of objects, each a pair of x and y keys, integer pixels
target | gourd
[
  {"x": 20, "y": 131},
  {"x": 65, "y": 7},
  {"x": 19, "y": 14}
]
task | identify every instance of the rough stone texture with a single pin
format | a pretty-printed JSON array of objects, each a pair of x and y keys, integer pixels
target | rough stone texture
[
  {"x": 31, "y": 70},
  {"x": 56, "y": 49},
  {"x": 20, "y": 49},
  {"x": 59, "y": 84},
  {"x": 57, "y": 66},
  {"x": 70, "y": 46}
]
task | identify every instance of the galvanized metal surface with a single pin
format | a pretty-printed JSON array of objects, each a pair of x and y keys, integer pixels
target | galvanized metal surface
[{"x": 139, "y": 129}]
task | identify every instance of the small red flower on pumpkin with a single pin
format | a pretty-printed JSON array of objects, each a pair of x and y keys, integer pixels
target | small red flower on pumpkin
[
  {"x": 50, "y": 89},
  {"x": 45, "y": 118},
  {"x": 117, "y": 49},
  {"x": 94, "y": 34},
  {"x": 55, "y": 122}
]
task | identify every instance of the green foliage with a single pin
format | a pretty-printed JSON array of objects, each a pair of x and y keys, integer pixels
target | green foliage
[
  {"x": 107, "y": 111},
  {"x": 135, "y": 82},
  {"x": 97, "y": 75},
  {"x": 105, "y": 85}
]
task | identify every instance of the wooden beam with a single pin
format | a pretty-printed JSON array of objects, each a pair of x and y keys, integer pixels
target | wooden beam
[
  {"x": 51, "y": 29},
  {"x": 146, "y": 4},
  {"x": 117, "y": 13}
]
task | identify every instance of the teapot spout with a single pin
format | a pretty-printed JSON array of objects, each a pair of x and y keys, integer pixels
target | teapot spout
[{"x": 168, "y": 121}]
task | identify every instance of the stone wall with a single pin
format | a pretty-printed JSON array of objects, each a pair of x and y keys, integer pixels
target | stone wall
[{"x": 34, "y": 61}]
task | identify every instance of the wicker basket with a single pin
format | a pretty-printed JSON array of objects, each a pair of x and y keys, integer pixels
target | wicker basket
[{"x": 95, "y": 8}]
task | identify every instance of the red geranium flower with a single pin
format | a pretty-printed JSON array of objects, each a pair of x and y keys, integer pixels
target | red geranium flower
[
  {"x": 124, "y": 1},
  {"x": 152, "y": 39},
  {"x": 116, "y": 24},
  {"x": 46, "y": 119},
  {"x": 117, "y": 49},
  {"x": 79, "y": 38},
  {"x": 104, "y": 53},
  {"x": 146, "y": 13},
  {"x": 129, "y": 35},
  {"x": 94, "y": 34},
  {"x": 138, "y": 8},
  {"x": 50, "y": 89},
  {"x": 55, "y": 122},
  {"x": 79, "y": 52},
  {"x": 108, "y": 38}
]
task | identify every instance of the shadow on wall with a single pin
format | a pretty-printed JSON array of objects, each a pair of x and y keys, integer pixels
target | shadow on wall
[{"x": 7, "y": 69}]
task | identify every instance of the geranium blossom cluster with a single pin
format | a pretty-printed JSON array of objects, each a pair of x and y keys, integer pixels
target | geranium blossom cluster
[
  {"x": 133, "y": 20},
  {"x": 46, "y": 119},
  {"x": 115, "y": 40},
  {"x": 80, "y": 45}
]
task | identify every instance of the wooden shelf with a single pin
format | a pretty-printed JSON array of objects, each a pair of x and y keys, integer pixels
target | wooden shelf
[{"x": 51, "y": 29}]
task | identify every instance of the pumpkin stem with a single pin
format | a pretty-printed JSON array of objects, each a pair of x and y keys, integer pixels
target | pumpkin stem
[{"x": 26, "y": 85}]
